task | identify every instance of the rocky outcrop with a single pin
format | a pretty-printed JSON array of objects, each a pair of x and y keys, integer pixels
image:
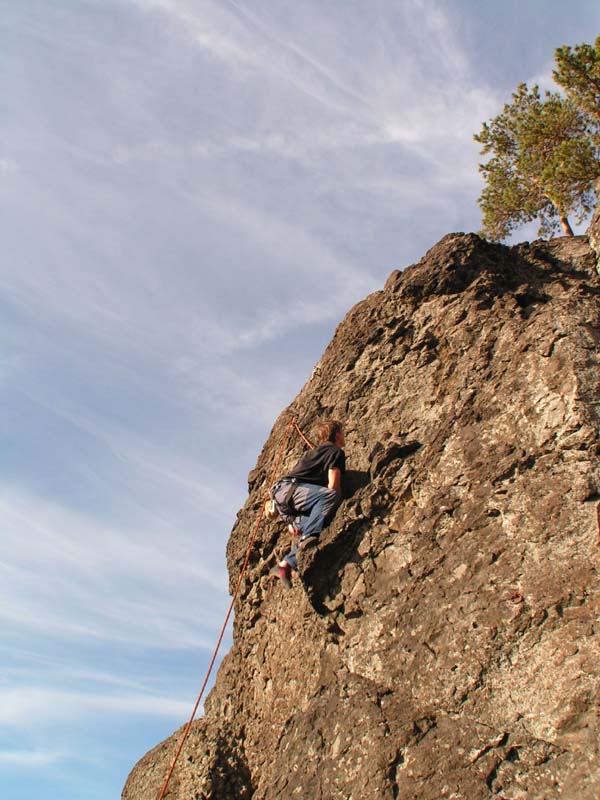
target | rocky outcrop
[
  {"x": 594, "y": 235},
  {"x": 442, "y": 641}
]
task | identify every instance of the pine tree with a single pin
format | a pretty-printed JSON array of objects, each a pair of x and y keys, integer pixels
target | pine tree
[
  {"x": 578, "y": 72},
  {"x": 544, "y": 164}
]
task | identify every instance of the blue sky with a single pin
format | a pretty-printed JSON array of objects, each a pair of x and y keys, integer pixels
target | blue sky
[{"x": 192, "y": 195}]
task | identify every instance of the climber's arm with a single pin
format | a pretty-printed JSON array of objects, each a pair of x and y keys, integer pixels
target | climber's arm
[{"x": 335, "y": 480}]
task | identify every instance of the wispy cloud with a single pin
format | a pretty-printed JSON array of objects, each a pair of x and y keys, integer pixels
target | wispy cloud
[
  {"x": 543, "y": 78},
  {"x": 129, "y": 586},
  {"x": 32, "y": 664},
  {"x": 30, "y": 759},
  {"x": 8, "y": 166},
  {"x": 19, "y": 704},
  {"x": 415, "y": 54}
]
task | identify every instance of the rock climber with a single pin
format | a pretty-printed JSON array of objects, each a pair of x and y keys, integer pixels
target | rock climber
[{"x": 308, "y": 497}]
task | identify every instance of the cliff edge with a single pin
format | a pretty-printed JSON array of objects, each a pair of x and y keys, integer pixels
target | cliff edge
[{"x": 443, "y": 639}]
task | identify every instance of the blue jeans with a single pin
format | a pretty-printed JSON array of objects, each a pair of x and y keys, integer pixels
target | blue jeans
[{"x": 315, "y": 506}]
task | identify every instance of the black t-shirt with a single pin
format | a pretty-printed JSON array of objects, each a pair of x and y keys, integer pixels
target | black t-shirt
[{"x": 314, "y": 465}]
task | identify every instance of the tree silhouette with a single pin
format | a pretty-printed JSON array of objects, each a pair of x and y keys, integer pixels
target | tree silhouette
[{"x": 544, "y": 164}]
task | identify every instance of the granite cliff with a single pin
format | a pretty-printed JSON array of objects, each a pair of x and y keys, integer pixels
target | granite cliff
[{"x": 443, "y": 639}]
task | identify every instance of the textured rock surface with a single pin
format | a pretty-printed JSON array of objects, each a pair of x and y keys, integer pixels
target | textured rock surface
[
  {"x": 442, "y": 641},
  {"x": 594, "y": 234}
]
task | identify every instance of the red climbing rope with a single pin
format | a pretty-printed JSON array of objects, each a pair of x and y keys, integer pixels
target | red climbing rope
[
  {"x": 284, "y": 440},
  {"x": 302, "y": 436}
]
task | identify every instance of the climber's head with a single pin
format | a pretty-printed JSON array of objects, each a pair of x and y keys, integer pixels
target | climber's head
[{"x": 330, "y": 430}]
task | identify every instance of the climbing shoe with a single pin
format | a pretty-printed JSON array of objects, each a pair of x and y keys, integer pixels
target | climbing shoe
[
  {"x": 284, "y": 574},
  {"x": 308, "y": 542}
]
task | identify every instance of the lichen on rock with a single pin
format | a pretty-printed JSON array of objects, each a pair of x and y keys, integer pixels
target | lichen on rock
[{"x": 442, "y": 639}]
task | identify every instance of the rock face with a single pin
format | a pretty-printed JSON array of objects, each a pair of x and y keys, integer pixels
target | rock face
[
  {"x": 594, "y": 235},
  {"x": 443, "y": 639}
]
